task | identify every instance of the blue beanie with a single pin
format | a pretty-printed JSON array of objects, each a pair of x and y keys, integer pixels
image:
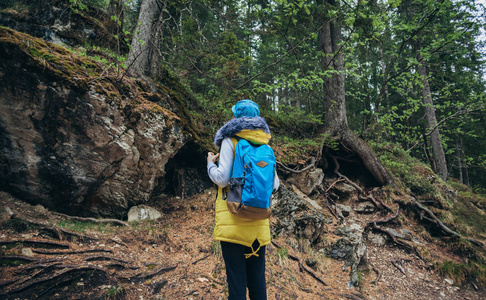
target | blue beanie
[{"x": 245, "y": 108}]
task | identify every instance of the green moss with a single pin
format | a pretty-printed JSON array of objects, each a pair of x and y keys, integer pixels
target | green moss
[
  {"x": 86, "y": 226},
  {"x": 463, "y": 272}
]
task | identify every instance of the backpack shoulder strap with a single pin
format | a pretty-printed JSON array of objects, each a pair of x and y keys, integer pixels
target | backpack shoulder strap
[{"x": 235, "y": 141}]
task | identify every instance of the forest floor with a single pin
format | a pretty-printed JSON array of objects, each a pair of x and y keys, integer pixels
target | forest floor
[{"x": 175, "y": 257}]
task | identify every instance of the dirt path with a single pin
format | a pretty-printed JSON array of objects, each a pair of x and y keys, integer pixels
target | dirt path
[{"x": 175, "y": 257}]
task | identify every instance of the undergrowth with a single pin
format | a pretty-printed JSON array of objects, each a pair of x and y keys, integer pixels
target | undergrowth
[{"x": 83, "y": 227}]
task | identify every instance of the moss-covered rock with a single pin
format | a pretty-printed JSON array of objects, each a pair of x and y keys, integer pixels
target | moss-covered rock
[{"x": 75, "y": 135}]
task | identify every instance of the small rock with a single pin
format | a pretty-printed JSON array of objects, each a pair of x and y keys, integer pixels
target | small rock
[
  {"x": 345, "y": 188},
  {"x": 311, "y": 262},
  {"x": 143, "y": 212},
  {"x": 449, "y": 281},
  {"x": 40, "y": 209},
  {"x": 27, "y": 252},
  {"x": 158, "y": 286},
  {"x": 343, "y": 210},
  {"x": 365, "y": 208}
]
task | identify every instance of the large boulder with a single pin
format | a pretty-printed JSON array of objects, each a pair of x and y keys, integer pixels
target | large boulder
[
  {"x": 296, "y": 217},
  {"x": 62, "y": 22},
  {"x": 73, "y": 140},
  {"x": 351, "y": 249},
  {"x": 308, "y": 180}
]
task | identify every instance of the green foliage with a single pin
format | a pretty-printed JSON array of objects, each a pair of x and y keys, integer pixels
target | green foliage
[
  {"x": 282, "y": 253},
  {"x": 468, "y": 209},
  {"x": 413, "y": 174},
  {"x": 460, "y": 272},
  {"x": 85, "y": 226},
  {"x": 115, "y": 293},
  {"x": 294, "y": 122},
  {"x": 215, "y": 248},
  {"x": 85, "y": 4}
]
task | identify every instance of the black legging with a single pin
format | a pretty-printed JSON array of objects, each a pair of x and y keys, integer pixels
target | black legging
[{"x": 244, "y": 272}]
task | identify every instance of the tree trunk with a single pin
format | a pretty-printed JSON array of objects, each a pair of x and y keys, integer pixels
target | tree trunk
[
  {"x": 435, "y": 139},
  {"x": 144, "y": 58},
  {"x": 461, "y": 162},
  {"x": 335, "y": 120},
  {"x": 116, "y": 9}
]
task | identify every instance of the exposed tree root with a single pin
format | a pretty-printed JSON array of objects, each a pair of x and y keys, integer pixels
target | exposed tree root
[
  {"x": 114, "y": 221},
  {"x": 289, "y": 170},
  {"x": 56, "y": 230},
  {"x": 404, "y": 245},
  {"x": 362, "y": 195},
  {"x": 105, "y": 257},
  {"x": 70, "y": 252},
  {"x": 302, "y": 266},
  {"x": 18, "y": 257},
  {"x": 36, "y": 243},
  {"x": 433, "y": 218},
  {"x": 54, "y": 277},
  {"x": 387, "y": 219}
]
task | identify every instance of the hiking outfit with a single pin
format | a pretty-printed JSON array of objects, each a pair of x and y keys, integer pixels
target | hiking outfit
[{"x": 242, "y": 240}]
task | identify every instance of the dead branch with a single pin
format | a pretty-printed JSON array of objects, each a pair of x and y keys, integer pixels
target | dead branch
[
  {"x": 396, "y": 265},
  {"x": 116, "y": 241},
  {"x": 378, "y": 274},
  {"x": 212, "y": 279},
  {"x": 334, "y": 183},
  {"x": 199, "y": 259},
  {"x": 114, "y": 221},
  {"x": 36, "y": 242},
  {"x": 301, "y": 265},
  {"x": 142, "y": 276}
]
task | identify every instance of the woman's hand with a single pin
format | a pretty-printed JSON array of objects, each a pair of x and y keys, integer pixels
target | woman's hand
[{"x": 212, "y": 157}]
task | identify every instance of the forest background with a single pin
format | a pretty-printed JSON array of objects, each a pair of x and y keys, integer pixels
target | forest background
[
  {"x": 413, "y": 70},
  {"x": 369, "y": 91}
]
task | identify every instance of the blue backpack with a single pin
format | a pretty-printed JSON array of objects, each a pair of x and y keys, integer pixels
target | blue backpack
[{"x": 251, "y": 183}]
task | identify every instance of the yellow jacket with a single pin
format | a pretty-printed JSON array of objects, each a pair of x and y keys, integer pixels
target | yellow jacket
[{"x": 233, "y": 229}]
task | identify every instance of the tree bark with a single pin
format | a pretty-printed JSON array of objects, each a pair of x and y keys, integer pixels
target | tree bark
[
  {"x": 334, "y": 101},
  {"x": 435, "y": 139},
  {"x": 144, "y": 58},
  {"x": 461, "y": 163},
  {"x": 116, "y": 8}
]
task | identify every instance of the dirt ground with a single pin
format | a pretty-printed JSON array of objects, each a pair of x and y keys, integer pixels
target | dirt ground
[{"x": 175, "y": 257}]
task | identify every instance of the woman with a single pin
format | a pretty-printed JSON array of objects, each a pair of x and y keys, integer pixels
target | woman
[{"x": 243, "y": 241}]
